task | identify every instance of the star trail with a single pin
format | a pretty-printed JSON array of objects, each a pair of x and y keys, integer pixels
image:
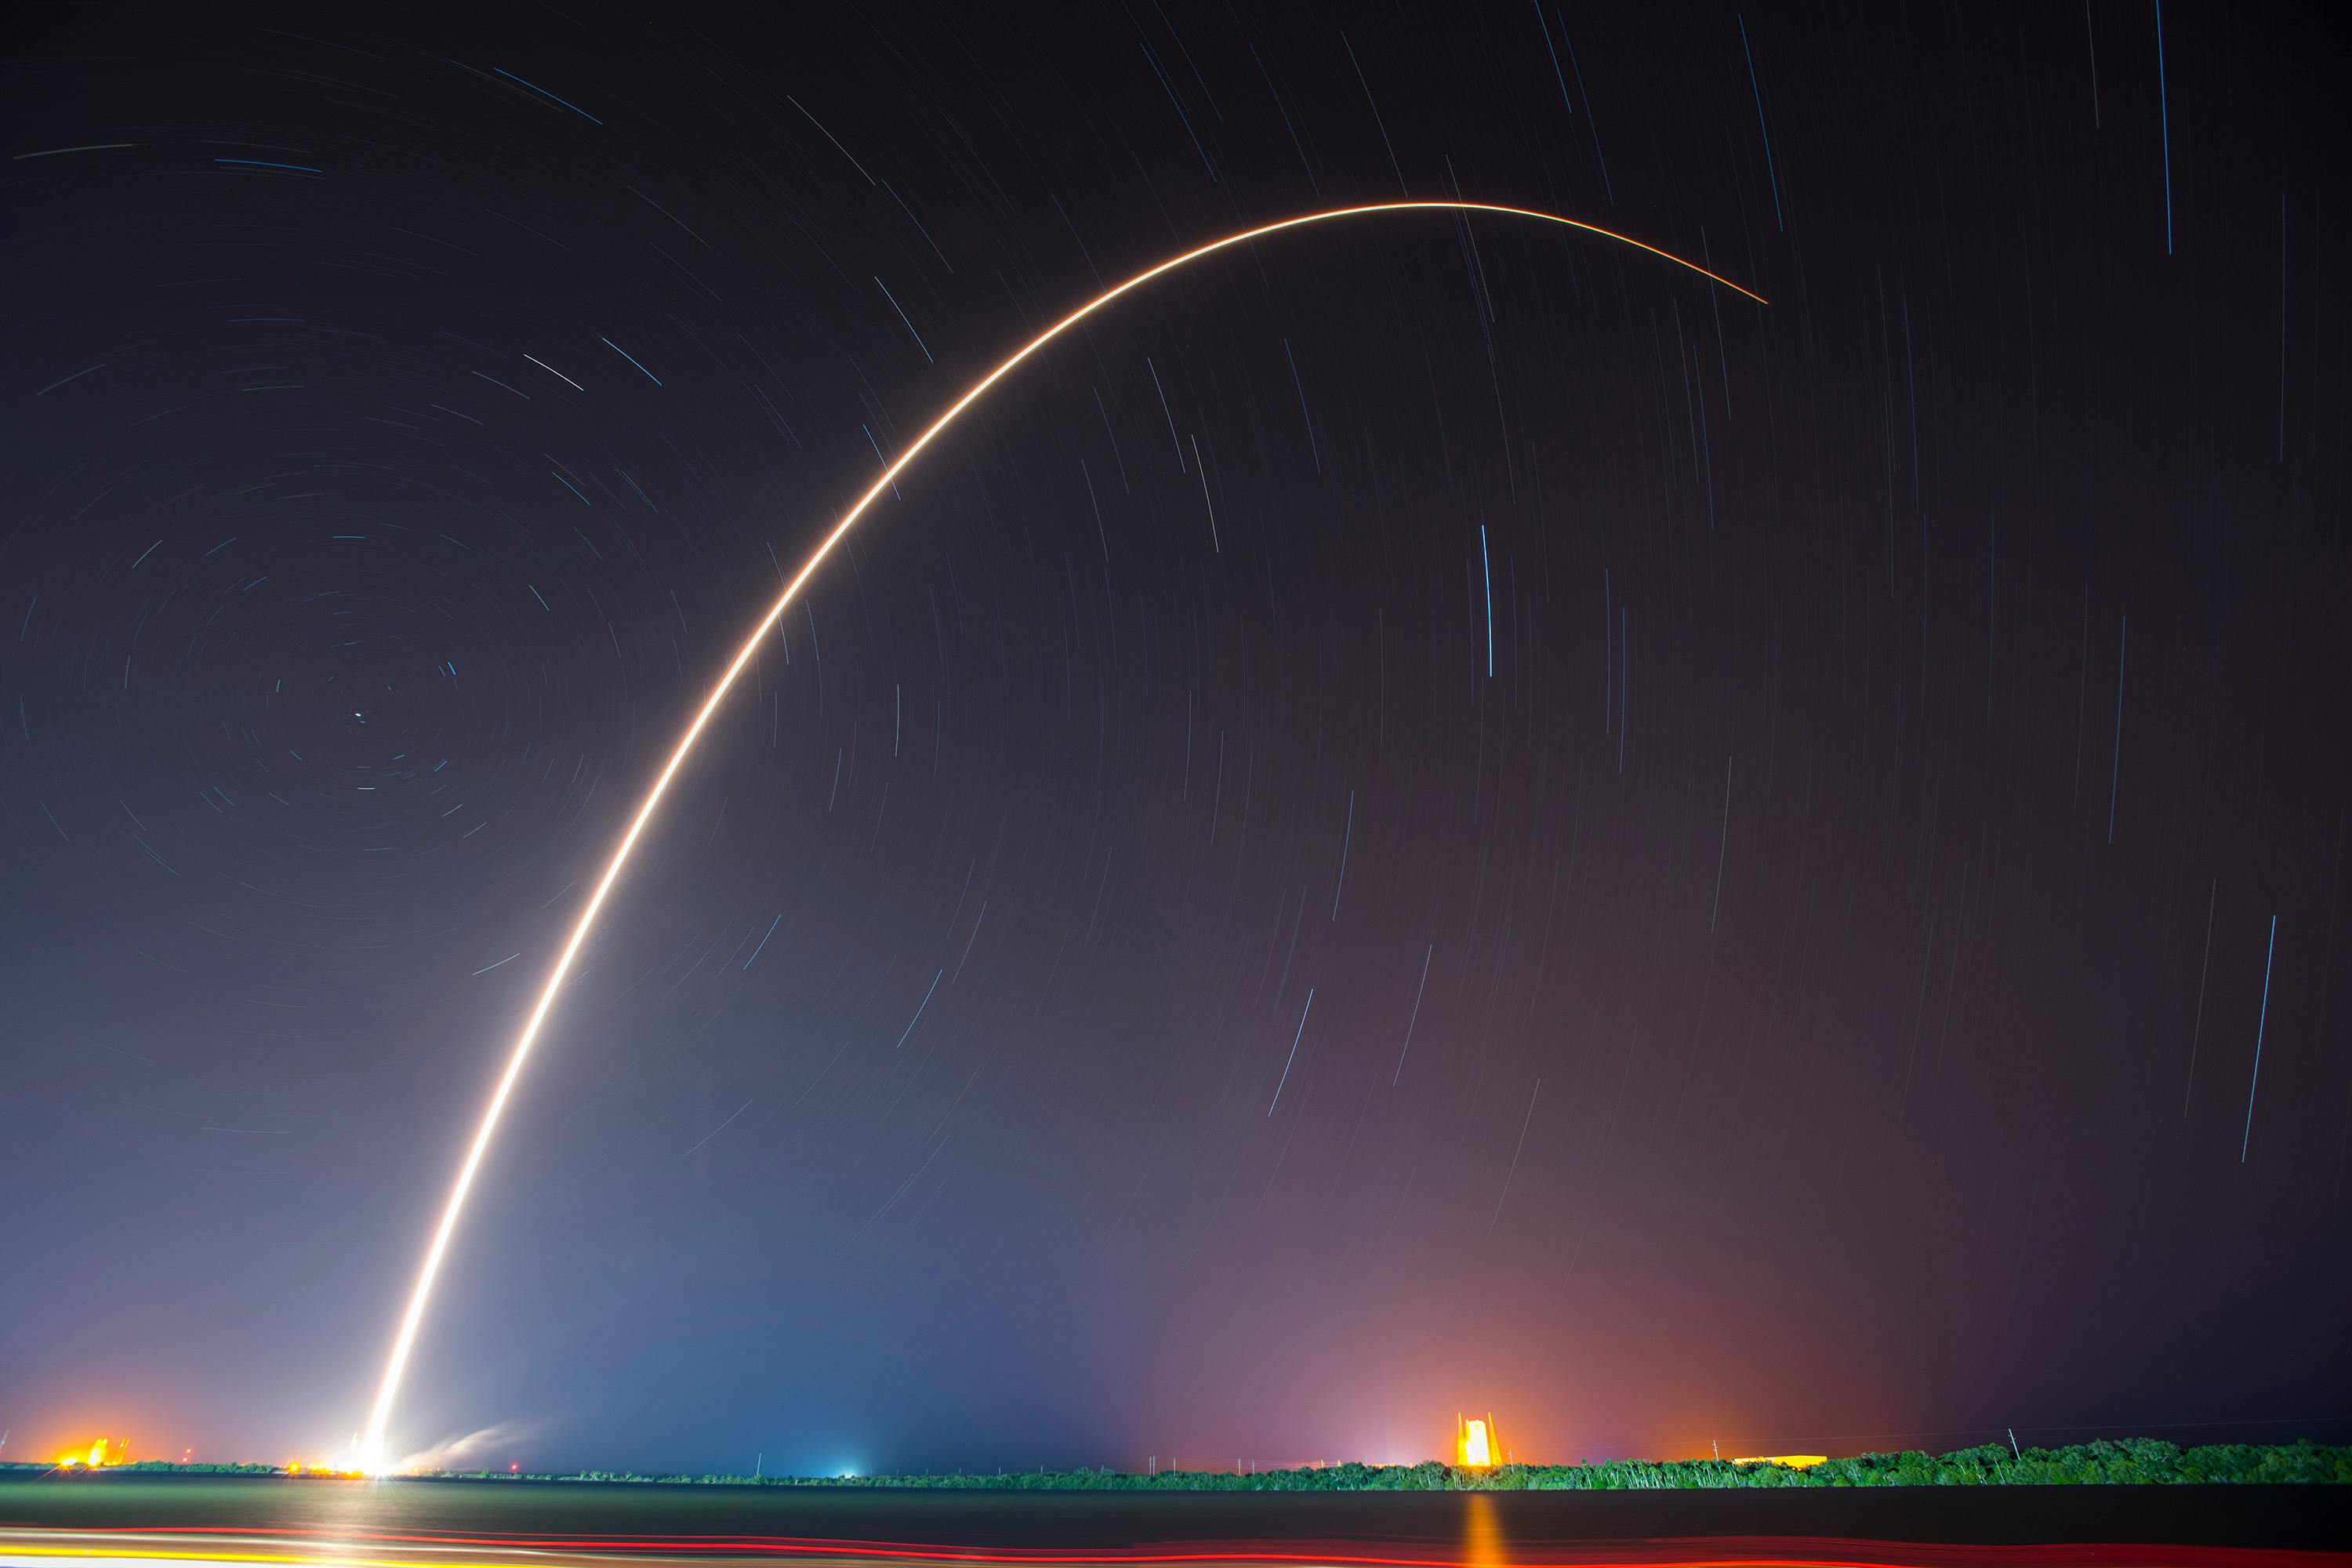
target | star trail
[{"x": 1334, "y": 660}]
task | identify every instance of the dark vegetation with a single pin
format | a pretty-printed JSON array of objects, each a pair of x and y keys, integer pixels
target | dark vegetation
[{"x": 2130, "y": 1461}]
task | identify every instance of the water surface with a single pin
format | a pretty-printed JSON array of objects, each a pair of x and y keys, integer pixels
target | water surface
[{"x": 128, "y": 1517}]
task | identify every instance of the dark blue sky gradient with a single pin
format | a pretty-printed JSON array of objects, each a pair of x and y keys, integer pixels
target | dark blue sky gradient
[{"x": 1806, "y": 994}]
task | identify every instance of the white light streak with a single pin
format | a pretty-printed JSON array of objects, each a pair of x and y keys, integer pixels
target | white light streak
[{"x": 411, "y": 1320}]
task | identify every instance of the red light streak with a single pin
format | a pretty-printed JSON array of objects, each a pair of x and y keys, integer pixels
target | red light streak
[
  {"x": 291, "y": 1546},
  {"x": 404, "y": 1339}
]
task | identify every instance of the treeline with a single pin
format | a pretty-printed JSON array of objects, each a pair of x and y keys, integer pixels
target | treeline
[{"x": 2131, "y": 1461}]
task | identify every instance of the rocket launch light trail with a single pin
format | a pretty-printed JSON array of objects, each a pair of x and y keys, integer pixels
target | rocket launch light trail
[{"x": 403, "y": 1343}]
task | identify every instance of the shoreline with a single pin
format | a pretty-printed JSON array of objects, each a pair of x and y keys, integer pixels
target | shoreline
[{"x": 2111, "y": 1462}]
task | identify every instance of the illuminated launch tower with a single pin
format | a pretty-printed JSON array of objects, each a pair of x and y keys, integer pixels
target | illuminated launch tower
[{"x": 1475, "y": 1443}]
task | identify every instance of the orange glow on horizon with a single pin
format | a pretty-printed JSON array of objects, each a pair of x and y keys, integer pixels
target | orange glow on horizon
[
  {"x": 1787, "y": 1461},
  {"x": 314, "y": 1471},
  {"x": 98, "y": 1456}
]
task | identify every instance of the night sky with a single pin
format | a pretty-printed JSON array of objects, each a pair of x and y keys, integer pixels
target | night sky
[{"x": 1431, "y": 815}]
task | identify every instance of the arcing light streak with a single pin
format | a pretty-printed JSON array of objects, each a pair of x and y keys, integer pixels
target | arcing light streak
[{"x": 370, "y": 1452}]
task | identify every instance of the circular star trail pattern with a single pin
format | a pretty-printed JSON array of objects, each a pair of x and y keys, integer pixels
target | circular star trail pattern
[{"x": 1430, "y": 815}]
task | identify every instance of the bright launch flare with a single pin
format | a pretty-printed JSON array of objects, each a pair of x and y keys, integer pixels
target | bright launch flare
[{"x": 371, "y": 1445}]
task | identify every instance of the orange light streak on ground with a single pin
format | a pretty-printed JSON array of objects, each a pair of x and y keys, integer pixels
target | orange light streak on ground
[
  {"x": 1795, "y": 1552},
  {"x": 1482, "y": 1535},
  {"x": 403, "y": 1341}
]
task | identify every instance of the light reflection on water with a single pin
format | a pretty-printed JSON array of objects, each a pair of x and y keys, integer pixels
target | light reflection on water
[
  {"x": 1482, "y": 1535},
  {"x": 413, "y": 1524}
]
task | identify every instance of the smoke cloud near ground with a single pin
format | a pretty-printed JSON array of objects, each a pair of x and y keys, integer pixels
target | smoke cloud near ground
[{"x": 475, "y": 1450}]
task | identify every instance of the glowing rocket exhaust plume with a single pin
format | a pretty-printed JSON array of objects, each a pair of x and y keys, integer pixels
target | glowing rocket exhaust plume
[{"x": 371, "y": 1445}]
